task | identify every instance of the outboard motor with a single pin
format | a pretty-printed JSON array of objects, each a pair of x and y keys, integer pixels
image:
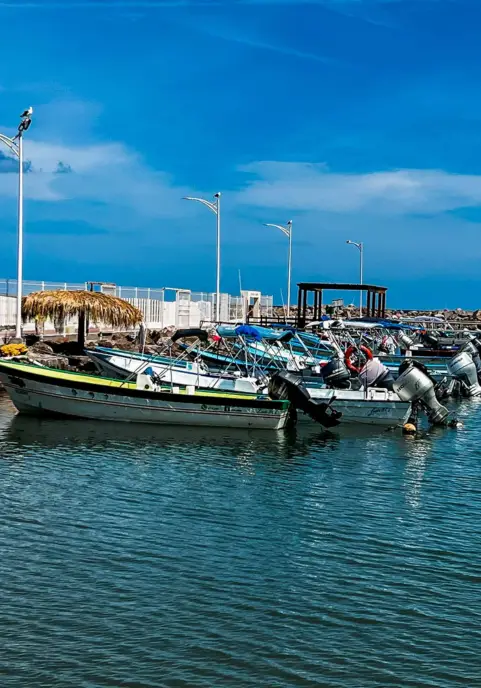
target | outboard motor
[
  {"x": 336, "y": 374},
  {"x": 405, "y": 342},
  {"x": 448, "y": 387},
  {"x": 462, "y": 367},
  {"x": 429, "y": 340},
  {"x": 473, "y": 348},
  {"x": 285, "y": 385},
  {"x": 414, "y": 384},
  {"x": 477, "y": 343},
  {"x": 388, "y": 345},
  {"x": 376, "y": 374}
]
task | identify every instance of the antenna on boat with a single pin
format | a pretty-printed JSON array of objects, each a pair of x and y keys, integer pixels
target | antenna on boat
[
  {"x": 240, "y": 295},
  {"x": 283, "y": 304}
]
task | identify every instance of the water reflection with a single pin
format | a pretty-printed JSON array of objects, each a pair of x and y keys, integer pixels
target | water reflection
[
  {"x": 237, "y": 558},
  {"x": 19, "y": 433},
  {"x": 418, "y": 450},
  {"x": 371, "y": 447}
]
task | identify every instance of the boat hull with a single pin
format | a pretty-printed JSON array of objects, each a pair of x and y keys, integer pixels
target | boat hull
[
  {"x": 387, "y": 410},
  {"x": 357, "y": 408},
  {"x": 40, "y": 393}
]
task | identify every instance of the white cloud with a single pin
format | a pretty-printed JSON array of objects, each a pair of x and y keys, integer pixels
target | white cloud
[
  {"x": 105, "y": 174},
  {"x": 312, "y": 187}
]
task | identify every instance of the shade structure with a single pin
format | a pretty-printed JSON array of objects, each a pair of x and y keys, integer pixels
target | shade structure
[
  {"x": 59, "y": 304},
  {"x": 376, "y": 299}
]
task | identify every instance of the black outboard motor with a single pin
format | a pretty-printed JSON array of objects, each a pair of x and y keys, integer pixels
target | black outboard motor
[
  {"x": 429, "y": 340},
  {"x": 336, "y": 374},
  {"x": 285, "y": 385},
  {"x": 376, "y": 374}
]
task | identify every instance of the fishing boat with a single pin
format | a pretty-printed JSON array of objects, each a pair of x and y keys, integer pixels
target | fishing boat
[
  {"x": 271, "y": 349},
  {"x": 47, "y": 391},
  {"x": 125, "y": 365},
  {"x": 367, "y": 398},
  {"x": 362, "y": 395},
  {"x": 245, "y": 347},
  {"x": 374, "y": 407},
  {"x": 394, "y": 345}
]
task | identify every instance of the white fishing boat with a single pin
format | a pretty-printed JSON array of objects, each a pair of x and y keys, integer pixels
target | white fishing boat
[
  {"x": 378, "y": 401},
  {"x": 46, "y": 391},
  {"x": 372, "y": 406},
  {"x": 126, "y": 364}
]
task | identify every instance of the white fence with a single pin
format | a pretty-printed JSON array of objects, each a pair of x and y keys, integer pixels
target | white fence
[
  {"x": 8, "y": 308},
  {"x": 164, "y": 307}
]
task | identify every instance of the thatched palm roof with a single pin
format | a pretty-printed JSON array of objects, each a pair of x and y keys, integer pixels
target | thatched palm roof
[{"x": 58, "y": 305}]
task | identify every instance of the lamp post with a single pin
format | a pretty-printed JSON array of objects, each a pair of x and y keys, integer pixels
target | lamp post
[
  {"x": 215, "y": 208},
  {"x": 15, "y": 145},
  {"x": 287, "y": 230},
  {"x": 360, "y": 246}
]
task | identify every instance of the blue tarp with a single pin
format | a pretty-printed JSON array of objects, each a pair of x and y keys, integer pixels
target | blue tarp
[{"x": 256, "y": 333}]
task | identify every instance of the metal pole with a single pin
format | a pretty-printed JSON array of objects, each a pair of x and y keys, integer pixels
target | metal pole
[
  {"x": 289, "y": 266},
  {"x": 215, "y": 208},
  {"x": 361, "y": 247},
  {"x": 217, "y": 304},
  {"x": 287, "y": 230},
  {"x": 18, "y": 322}
]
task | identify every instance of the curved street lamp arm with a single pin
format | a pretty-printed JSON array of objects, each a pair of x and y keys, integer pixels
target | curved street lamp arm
[
  {"x": 10, "y": 143},
  {"x": 284, "y": 230},
  {"x": 287, "y": 231},
  {"x": 211, "y": 206},
  {"x": 355, "y": 243}
]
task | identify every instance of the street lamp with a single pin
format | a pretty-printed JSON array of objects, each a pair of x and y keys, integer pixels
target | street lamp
[
  {"x": 215, "y": 207},
  {"x": 360, "y": 246},
  {"x": 287, "y": 230},
  {"x": 15, "y": 145}
]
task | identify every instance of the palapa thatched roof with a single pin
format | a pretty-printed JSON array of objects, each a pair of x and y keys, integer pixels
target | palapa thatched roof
[{"x": 58, "y": 305}]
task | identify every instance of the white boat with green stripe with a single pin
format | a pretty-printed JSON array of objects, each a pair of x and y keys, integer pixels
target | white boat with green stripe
[{"x": 48, "y": 391}]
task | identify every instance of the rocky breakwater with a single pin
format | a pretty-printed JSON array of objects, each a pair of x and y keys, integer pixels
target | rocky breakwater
[
  {"x": 458, "y": 316},
  {"x": 56, "y": 353},
  {"x": 454, "y": 316}
]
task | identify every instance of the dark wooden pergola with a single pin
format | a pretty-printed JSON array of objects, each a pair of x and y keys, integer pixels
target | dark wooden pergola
[{"x": 375, "y": 306}]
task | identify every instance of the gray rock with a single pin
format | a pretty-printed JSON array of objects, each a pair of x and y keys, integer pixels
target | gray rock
[
  {"x": 41, "y": 348},
  {"x": 59, "y": 362},
  {"x": 82, "y": 364},
  {"x": 106, "y": 343}
]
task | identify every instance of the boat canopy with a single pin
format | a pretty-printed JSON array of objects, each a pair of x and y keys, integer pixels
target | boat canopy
[
  {"x": 256, "y": 333},
  {"x": 344, "y": 324},
  {"x": 385, "y": 323}
]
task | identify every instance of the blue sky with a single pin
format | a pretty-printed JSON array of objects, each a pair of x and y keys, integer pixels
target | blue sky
[{"x": 357, "y": 119}]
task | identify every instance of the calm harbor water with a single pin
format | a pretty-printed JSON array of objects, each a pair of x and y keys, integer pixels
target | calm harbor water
[{"x": 143, "y": 558}]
